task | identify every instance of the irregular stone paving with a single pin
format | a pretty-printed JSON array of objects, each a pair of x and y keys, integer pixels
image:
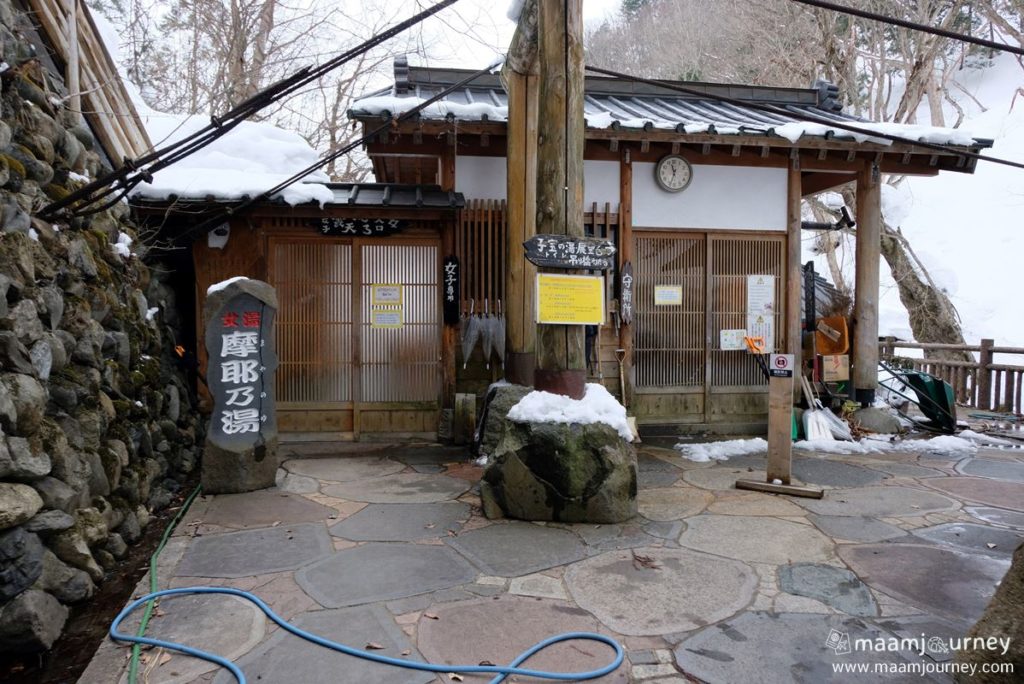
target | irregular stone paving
[
  {"x": 401, "y": 488},
  {"x": 402, "y": 522},
  {"x": 381, "y": 572},
  {"x": 387, "y": 545},
  {"x": 975, "y": 538},
  {"x": 984, "y": 490}
]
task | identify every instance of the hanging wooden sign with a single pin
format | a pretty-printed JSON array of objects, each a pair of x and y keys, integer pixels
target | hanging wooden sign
[
  {"x": 450, "y": 283},
  {"x": 360, "y": 227},
  {"x": 564, "y": 251},
  {"x": 626, "y": 293}
]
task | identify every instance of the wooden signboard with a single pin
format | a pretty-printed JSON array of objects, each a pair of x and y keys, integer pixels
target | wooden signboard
[
  {"x": 450, "y": 280},
  {"x": 570, "y": 299},
  {"x": 626, "y": 293},
  {"x": 563, "y": 251},
  {"x": 360, "y": 227}
]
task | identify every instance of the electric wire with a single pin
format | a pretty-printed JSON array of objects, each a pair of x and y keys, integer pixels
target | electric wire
[
  {"x": 913, "y": 25},
  {"x": 102, "y": 187},
  {"x": 331, "y": 156},
  {"x": 806, "y": 116}
]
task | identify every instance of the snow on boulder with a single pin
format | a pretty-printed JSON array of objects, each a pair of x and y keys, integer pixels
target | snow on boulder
[
  {"x": 217, "y": 287},
  {"x": 596, "y": 406}
]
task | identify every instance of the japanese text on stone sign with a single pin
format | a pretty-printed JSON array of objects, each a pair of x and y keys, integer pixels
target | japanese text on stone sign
[{"x": 241, "y": 374}]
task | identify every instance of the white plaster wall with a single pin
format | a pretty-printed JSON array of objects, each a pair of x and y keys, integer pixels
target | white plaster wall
[
  {"x": 484, "y": 178},
  {"x": 480, "y": 177},
  {"x": 719, "y": 197},
  {"x": 600, "y": 184}
]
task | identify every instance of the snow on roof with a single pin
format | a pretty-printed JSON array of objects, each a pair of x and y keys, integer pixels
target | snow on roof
[{"x": 250, "y": 159}]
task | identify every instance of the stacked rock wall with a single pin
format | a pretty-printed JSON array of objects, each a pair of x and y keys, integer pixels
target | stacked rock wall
[{"x": 97, "y": 427}]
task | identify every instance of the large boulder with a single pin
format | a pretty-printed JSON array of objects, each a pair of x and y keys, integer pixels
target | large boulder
[
  {"x": 29, "y": 399},
  {"x": 499, "y": 401},
  {"x": 21, "y": 561},
  {"x": 69, "y": 585},
  {"x": 565, "y": 472},
  {"x": 31, "y": 622},
  {"x": 18, "y": 503},
  {"x": 1003, "y": 619}
]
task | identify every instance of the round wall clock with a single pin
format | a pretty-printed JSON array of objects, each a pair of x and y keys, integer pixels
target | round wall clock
[{"x": 673, "y": 173}]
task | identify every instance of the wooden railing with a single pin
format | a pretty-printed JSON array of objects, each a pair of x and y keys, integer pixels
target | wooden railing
[{"x": 981, "y": 384}]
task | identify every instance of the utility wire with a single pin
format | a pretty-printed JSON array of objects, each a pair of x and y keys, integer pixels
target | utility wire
[
  {"x": 132, "y": 172},
  {"x": 331, "y": 156},
  {"x": 806, "y": 116},
  {"x": 913, "y": 25}
]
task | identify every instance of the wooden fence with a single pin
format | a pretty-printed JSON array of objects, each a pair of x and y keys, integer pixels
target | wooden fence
[{"x": 981, "y": 384}]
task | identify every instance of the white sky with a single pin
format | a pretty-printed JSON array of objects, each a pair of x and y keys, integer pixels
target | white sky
[{"x": 471, "y": 33}]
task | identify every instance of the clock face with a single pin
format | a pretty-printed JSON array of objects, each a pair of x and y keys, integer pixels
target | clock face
[{"x": 673, "y": 173}]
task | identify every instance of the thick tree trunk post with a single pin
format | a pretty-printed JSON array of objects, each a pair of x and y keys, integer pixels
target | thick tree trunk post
[
  {"x": 865, "y": 303},
  {"x": 560, "y": 138},
  {"x": 794, "y": 272},
  {"x": 521, "y": 332},
  {"x": 626, "y": 255},
  {"x": 985, "y": 376}
]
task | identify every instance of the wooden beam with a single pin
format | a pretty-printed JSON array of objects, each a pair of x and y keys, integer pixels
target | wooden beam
[
  {"x": 561, "y": 365},
  {"x": 812, "y": 183},
  {"x": 866, "y": 288},
  {"x": 522, "y": 51}
]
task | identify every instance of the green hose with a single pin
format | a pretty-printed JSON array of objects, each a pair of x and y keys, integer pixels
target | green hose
[{"x": 133, "y": 664}]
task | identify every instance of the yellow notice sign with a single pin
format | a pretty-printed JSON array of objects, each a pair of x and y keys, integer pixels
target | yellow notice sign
[{"x": 570, "y": 299}]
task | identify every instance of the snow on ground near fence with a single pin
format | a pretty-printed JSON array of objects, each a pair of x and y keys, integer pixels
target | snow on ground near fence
[
  {"x": 967, "y": 442},
  {"x": 596, "y": 406}
]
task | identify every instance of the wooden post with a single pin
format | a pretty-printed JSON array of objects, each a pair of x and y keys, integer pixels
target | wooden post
[
  {"x": 865, "y": 304},
  {"x": 521, "y": 331},
  {"x": 73, "y": 71},
  {"x": 626, "y": 255},
  {"x": 780, "y": 429},
  {"x": 985, "y": 376},
  {"x": 560, "y": 140},
  {"x": 794, "y": 273}
]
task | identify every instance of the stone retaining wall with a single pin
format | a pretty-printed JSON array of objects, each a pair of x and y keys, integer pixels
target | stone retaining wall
[{"x": 97, "y": 424}]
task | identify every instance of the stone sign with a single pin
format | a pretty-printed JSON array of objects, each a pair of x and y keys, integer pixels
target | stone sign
[
  {"x": 563, "y": 251},
  {"x": 241, "y": 442}
]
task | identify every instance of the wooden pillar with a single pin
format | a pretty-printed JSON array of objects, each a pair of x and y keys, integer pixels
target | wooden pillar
[
  {"x": 985, "y": 401},
  {"x": 521, "y": 330},
  {"x": 865, "y": 304},
  {"x": 560, "y": 139},
  {"x": 626, "y": 255},
  {"x": 73, "y": 75},
  {"x": 794, "y": 272}
]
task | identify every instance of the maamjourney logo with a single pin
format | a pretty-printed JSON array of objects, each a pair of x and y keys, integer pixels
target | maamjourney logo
[
  {"x": 923, "y": 645},
  {"x": 938, "y": 649}
]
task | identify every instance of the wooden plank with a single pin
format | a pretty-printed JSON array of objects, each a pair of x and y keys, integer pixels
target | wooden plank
[
  {"x": 771, "y": 488},
  {"x": 780, "y": 442}
]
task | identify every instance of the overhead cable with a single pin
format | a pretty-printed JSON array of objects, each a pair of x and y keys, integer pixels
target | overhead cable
[
  {"x": 913, "y": 25},
  {"x": 134, "y": 171}
]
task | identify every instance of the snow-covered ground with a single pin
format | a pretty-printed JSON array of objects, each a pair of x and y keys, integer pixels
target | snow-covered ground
[{"x": 967, "y": 228}]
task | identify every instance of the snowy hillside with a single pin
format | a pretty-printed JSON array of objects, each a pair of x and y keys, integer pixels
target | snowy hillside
[{"x": 967, "y": 228}]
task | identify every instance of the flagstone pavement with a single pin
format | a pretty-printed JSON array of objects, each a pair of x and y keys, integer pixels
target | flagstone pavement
[{"x": 387, "y": 545}]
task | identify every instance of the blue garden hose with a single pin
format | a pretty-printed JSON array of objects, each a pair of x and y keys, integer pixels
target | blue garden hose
[{"x": 501, "y": 671}]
